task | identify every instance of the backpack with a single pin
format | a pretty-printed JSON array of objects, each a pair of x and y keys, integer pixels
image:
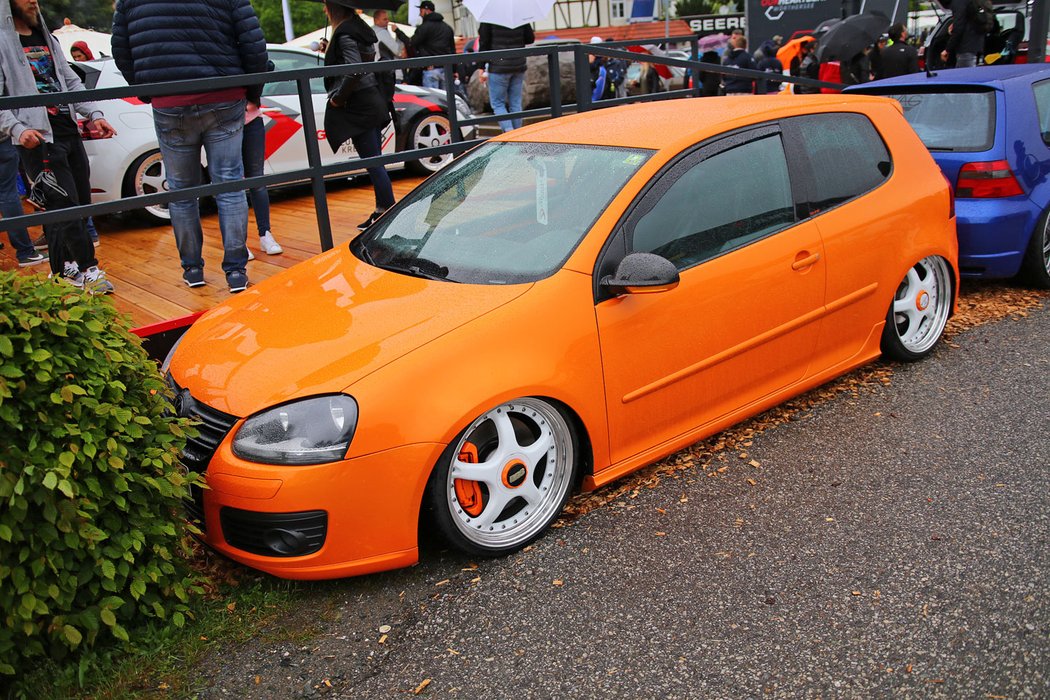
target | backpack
[{"x": 983, "y": 15}]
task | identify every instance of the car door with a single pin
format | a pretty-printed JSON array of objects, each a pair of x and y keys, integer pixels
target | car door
[
  {"x": 841, "y": 163},
  {"x": 744, "y": 318}
]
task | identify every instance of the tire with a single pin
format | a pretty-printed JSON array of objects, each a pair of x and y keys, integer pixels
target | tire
[
  {"x": 1035, "y": 268},
  {"x": 919, "y": 311},
  {"x": 427, "y": 131},
  {"x": 516, "y": 490},
  {"x": 147, "y": 176}
]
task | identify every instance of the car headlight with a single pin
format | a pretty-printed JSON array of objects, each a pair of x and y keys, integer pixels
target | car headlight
[
  {"x": 166, "y": 365},
  {"x": 311, "y": 431}
]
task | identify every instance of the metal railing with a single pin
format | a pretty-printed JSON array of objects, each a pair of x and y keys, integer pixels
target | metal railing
[{"x": 317, "y": 172}]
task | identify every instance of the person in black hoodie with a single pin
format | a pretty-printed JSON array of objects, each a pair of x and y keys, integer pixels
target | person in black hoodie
[
  {"x": 357, "y": 110},
  {"x": 505, "y": 76},
  {"x": 966, "y": 41},
  {"x": 738, "y": 56},
  {"x": 432, "y": 38}
]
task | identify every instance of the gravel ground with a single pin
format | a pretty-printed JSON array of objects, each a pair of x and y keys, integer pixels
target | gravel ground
[{"x": 892, "y": 541}]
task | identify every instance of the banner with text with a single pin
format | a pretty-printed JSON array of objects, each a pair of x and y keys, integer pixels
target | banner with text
[{"x": 766, "y": 18}]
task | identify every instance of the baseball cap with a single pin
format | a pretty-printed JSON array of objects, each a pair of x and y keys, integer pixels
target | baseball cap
[{"x": 426, "y": 5}]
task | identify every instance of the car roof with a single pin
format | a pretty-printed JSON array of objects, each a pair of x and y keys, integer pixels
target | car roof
[
  {"x": 666, "y": 123},
  {"x": 992, "y": 76}
]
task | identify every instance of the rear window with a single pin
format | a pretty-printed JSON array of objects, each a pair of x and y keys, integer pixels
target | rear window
[
  {"x": 951, "y": 121},
  {"x": 1042, "y": 104}
]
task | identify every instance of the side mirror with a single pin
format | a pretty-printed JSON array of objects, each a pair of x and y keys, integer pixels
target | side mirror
[{"x": 642, "y": 273}]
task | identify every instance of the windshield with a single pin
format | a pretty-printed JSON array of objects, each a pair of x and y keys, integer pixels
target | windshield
[
  {"x": 505, "y": 213},
  {"x": 951, "y": 121}
]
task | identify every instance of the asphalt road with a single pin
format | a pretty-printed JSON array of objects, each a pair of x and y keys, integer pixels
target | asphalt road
[{"x": 892, "y": 541}]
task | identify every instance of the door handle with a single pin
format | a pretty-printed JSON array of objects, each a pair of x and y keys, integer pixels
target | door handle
[{"x": 804, "y": 260}]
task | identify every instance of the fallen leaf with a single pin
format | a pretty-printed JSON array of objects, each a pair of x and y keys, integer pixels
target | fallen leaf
[
  {"x": 453, "y": 651},
  {"x": 751, "y": 481},
  {"x": 742, "y": 455},
  {"x": 755, "y": 463},
  {"x": 856, "y": 592},
  {"x": 162, "y": 686},
  {"x": 558, "y": 582},
  {"x": 441, "y": 583},
  {"x": 231, "y": 607},
  {"x": 327, "y": 683},
  {"x": 907, "y": 669},
  {"x": 661, "y": 511},
  {"x": 382, "y": 640},
  {"x": 383, "y": 629},
  {"x": 419, "y": 688},
  {"x": 661, "y": 534},
  {"x": 829, "y": 520}
]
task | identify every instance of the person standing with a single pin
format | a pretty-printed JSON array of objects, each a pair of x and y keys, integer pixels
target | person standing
[
  {"x": 898, "y": 58},
  {"x": 505, "y": 76},
  {"x": 210, "y": 38},
  {"x": 966, "y": 40},
  {"x": 433, "y": 38},
  {"x": 253, "y": 151},
  {"x": 11, "y": 206},
  {"x": 738, "y": 57},
  {"x": 48, "y": 139},
  {"x": 357, "y": 111}
]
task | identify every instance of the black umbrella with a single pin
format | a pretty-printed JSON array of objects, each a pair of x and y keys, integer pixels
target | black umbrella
[
  {"x": 852, "y": 35},
  {"x": 824, "y": 26}
]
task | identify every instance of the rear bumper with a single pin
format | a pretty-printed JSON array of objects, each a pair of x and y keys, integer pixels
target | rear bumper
[{"x": 993, "y": 235}]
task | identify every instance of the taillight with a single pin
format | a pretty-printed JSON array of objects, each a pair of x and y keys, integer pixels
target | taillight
[
  {"x": 987, "y": 179},
  {"x": 87, "y": 129}
]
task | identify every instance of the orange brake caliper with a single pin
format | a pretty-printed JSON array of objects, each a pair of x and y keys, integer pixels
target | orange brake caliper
[{"x": 468, "y": 493}]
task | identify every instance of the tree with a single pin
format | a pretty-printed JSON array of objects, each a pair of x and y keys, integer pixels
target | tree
[
  {"x": 688, "y": 8},
  {"x": 306, "y": 17}
]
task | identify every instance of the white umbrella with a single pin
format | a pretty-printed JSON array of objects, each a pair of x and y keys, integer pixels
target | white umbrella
[{"x": 509, "y": 13}]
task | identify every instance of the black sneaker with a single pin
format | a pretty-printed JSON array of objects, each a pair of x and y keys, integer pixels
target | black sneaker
[
  {"x": 238, "y": 281},
  {"x": 372, "y": 218},
  {"x": 32, "y": 259},
  {"x": 193, "y": 277},
  {"x": 40, "y": 243}
]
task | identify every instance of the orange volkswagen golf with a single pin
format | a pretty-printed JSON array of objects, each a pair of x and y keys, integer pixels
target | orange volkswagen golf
[{"x": 560, "y": 306}]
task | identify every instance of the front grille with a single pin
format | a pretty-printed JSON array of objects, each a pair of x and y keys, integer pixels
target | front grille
[
  {"x": 274, "y": 534},
  {"x": 212, "y": 427}
]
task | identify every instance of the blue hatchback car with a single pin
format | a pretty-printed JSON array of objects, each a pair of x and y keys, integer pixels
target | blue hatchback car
[{"x": 988, "y": 128}]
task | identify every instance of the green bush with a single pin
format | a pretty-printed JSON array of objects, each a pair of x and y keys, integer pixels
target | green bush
[{"x": 91, "y": 541}]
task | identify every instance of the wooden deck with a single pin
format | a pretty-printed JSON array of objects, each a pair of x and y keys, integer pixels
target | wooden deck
[{"x": 143, "y": 263}]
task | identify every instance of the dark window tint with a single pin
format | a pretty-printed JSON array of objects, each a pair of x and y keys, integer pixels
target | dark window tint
[
  {"x": 721, "y": 203},
  {"x": 951, "y": 121},
  {"x": 1041, "y": 90},
  {"x": 846, "y": 155}
]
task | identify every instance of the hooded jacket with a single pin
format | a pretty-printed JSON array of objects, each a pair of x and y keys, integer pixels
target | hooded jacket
[
  {"x": 16, "y": 79},
  {"x": 495, "y": 37},
  {"x": 433, "y": 37}
]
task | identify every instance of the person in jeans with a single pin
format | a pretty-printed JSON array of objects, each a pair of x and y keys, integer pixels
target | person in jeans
[
  {"x": 47, "y": 138},
  {"x": 253, "y": 153},
  {"x": 433, "y": 38},
  {"x": 215, "y": 38},
  {"x": 505, "y": 76},
  {"x": 357, "y": 111},
  {"x": 11, "y": 206},
  {"x": 966, "y": 38}
]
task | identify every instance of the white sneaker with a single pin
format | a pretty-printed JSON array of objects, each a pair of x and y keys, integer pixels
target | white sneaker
[
  {"x": 269, "y": 244},
  {"x": 251, "y": 255},
  {"x": 70, "y": 274},
  {"x": 95, "y": 281}
]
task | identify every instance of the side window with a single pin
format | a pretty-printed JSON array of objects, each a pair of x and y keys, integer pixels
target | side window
[
  {"x": 846, "y": 156},
  {"x": 1041, "y": 90},
  {"x": 284, "y": 60},
  {"x": 721, "y": 203}
]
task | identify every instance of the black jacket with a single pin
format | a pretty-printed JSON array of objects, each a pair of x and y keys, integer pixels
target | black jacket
[
  {"x": 966, "y": 36},
  {"x": 738, "y": 58},
  {"x": 434, "y": 37},
  {"x": 361, "y": 105},
  {"x": 898, "y": 59},
  {"x": 496, "y": 37}
]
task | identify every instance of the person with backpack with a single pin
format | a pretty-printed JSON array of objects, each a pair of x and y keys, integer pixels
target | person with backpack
[
  {"x": 505, "y": 76},
  {"x": 971, "y": 21}
]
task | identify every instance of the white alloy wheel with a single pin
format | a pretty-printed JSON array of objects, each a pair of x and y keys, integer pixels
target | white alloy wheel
[
  {"x": 428, "y": 132},
  {"x": 147, "y": 176},
  {"x": 508, "y": 478},
  {"x": 920, "y": 310}
]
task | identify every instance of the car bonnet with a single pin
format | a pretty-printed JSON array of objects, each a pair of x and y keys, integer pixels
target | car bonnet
[{"x": 317, "y": 329}]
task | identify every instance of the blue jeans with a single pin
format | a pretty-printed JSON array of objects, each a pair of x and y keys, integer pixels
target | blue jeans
[
  {"x": 505, "y": 96},
  {"x": 434, "y": 77},
  {"x": 254, "y": 153},
  {"x": 10, "y": 202},
  {"x": 368, "y": 145},
  {"x": 182, "y": 132}
]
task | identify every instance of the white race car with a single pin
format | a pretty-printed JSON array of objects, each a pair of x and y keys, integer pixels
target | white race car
[{"x": 130, "y": 163}]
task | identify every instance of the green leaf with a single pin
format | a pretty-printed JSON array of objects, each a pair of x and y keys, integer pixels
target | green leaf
[
  {"x": 72, "y": 635},
  {"x": 50, "y": 481},
  {"x": 66, "y": 488},
  {"x": 5, "y": 534},
  {"x": 108, "y": 570},
  {"x": 107, "y": 617}
]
